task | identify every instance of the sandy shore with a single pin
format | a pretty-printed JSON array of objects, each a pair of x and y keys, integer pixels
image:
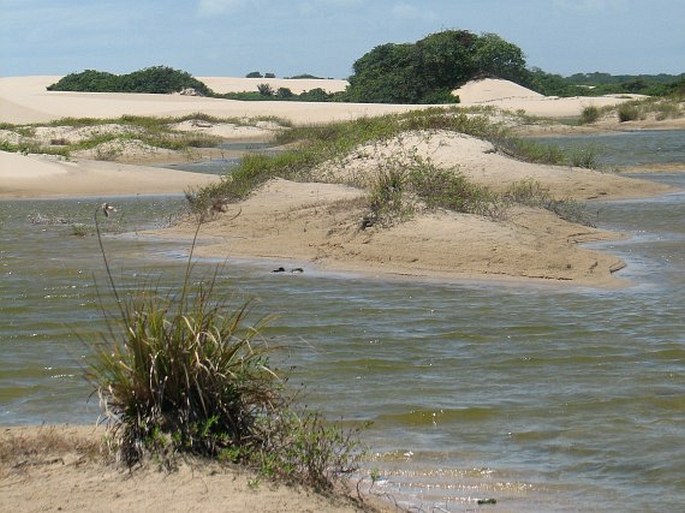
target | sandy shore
[
  {"x": 41, "y": 176},
  {"x": 60, "y": 468},
  {"x": 310, "y": 225},
  {"x": 319, "y": 224}
]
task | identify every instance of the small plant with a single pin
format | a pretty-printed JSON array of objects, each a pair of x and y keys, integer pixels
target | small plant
[
  {"x": 589, "y": 115},
  {"x": 628, "y": 112},
  {"x": 585, "y": 156},
  {"x": 265, "y": 90}
]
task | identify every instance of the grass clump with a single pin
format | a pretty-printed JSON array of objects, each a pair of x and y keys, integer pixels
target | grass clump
[
  {"x": 628, "y": 111},
  {"x": 589, "y": 115},
  {"x": 399, "y": 191},
  {"x": 184, "y": 373}
]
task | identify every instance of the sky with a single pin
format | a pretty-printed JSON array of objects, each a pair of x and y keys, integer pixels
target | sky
[{"x": 325, "y": 37}]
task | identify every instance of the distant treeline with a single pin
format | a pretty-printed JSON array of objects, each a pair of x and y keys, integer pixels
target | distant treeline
[
  {"x": 423, "y": 72},
  {"x": 597, "y": 84}
]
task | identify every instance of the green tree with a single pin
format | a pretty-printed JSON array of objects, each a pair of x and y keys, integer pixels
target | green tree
[
  {"x": 496, "y": 57},
  {"x": 428, "y": 70}
]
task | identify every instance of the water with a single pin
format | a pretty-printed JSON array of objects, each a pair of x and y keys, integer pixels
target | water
[
  {"x": 629, "y": 148},
  {"x": 230, "y": 159},
  {"x": 546, "y": 399}
]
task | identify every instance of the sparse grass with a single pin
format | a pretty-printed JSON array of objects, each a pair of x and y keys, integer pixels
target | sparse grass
[
  {"x": 154, "y": 132},
  {"x": 20, "y": 449},
  {"x": 531, "y": 193},
  {"x": 185, "y": 373}
]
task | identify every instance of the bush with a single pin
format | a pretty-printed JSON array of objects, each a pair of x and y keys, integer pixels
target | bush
[
  {"x": 628, "y": 112},
  {"x": 254, "y": 74},
  {"x": 265, "y": 90},
  {"x": 157, "y": 79},
  {"x": 184, "y": 373},
  {"x": 589, "y": 115}
]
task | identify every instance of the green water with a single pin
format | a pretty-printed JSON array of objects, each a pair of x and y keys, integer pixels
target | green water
[{"x": 544, "y": 398}]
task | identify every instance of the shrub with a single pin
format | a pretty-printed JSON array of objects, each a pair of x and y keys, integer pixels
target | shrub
[
  {"x": 265, "y": 90},
  {"x": 156, "y": 79},
  {"x": 254, "y": 74},
  {"x": 628, "y": 112},
  {"x": 589, "y": 115},
  {"x": 182, "y": 372}
]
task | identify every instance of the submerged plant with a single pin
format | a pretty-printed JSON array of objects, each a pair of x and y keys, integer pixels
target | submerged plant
[{"x": 182, "y": 372}]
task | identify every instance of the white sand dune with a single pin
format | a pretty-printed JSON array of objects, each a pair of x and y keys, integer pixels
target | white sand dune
[
  {"x": 507, "y": 95},
  {"x": 224, "y": 85}
]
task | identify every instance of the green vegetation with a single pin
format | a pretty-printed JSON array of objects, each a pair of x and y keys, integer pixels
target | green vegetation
[
  {"x": 184, "y": 373},
  {"x": 157, "y": 79},
  {"x": 110, "y": 136},
  {"x": 530, "y": 193},
  {"x": 589, "y": 115},
  {"x": 628, "y": 112},
  {"x": 598, "y": 84},
  {"x": 428, "y": 70},
  {"x": 400, "y": 184}
]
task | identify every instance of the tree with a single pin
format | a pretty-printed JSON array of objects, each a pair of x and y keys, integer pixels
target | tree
[
  {"x": 254, "y": 74},
  {"x": 428, "y": 70},
  {"x": 496, "y": 57}
]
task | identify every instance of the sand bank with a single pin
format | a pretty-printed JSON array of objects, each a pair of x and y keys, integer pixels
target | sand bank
[
  {"x": 25, "y": 100},
  {"x": 59, "y": 469},
  {"x": 40, "y": 176},
  {"x": 320, "y": 224},
  {"x": 507, "y": 95}
]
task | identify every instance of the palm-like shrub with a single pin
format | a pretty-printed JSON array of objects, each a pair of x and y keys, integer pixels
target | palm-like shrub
[
  {"x": 187, "y": 374},
  {"x": 184, "y": 374}
]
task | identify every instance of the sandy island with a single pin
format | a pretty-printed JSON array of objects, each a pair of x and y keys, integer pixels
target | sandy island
[
  {"x": 303, "y": 224},
  {"x": 318, "y": 224}
]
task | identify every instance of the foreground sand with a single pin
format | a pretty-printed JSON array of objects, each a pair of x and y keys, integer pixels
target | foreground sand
[{"x": 60, "y": 469}]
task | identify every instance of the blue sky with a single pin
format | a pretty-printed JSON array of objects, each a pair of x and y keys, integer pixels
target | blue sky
[{"x": 325, "y": 37}]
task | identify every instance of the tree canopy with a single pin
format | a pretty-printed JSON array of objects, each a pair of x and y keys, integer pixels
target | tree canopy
[{"x": 428, "y": 70}]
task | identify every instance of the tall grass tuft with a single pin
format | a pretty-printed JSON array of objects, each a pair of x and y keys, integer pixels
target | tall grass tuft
[{"x": 183, "y": 372}]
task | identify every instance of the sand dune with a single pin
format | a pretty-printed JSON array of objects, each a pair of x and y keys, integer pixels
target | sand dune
[{"x": 26, "y": 100}]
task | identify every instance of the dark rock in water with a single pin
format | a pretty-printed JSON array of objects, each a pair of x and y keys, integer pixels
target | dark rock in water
[
  {"x": 482, "y": 502},
  {"x": 279, "y": 270},
  {"x": 297, "y": 270}
]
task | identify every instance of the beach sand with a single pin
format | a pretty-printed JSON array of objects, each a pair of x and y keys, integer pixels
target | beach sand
[
  {"x": 60, "y": 468},
  {"x": 309, "y": 225}
]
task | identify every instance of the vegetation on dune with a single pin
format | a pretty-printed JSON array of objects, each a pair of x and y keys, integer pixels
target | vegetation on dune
[
  {"x": 423, "y": 72},
  {"x": 156, "y": 79},
  {"x": 182, "y": 372},
  {"x": 657, "y": 108},
  {"x": 399, "y": 184},
  {"x": 427, "y": 71},
  {"x": 109, "y": 137}
]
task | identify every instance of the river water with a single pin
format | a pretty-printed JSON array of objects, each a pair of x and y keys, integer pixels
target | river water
[{"x": 544, "y": 398}]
